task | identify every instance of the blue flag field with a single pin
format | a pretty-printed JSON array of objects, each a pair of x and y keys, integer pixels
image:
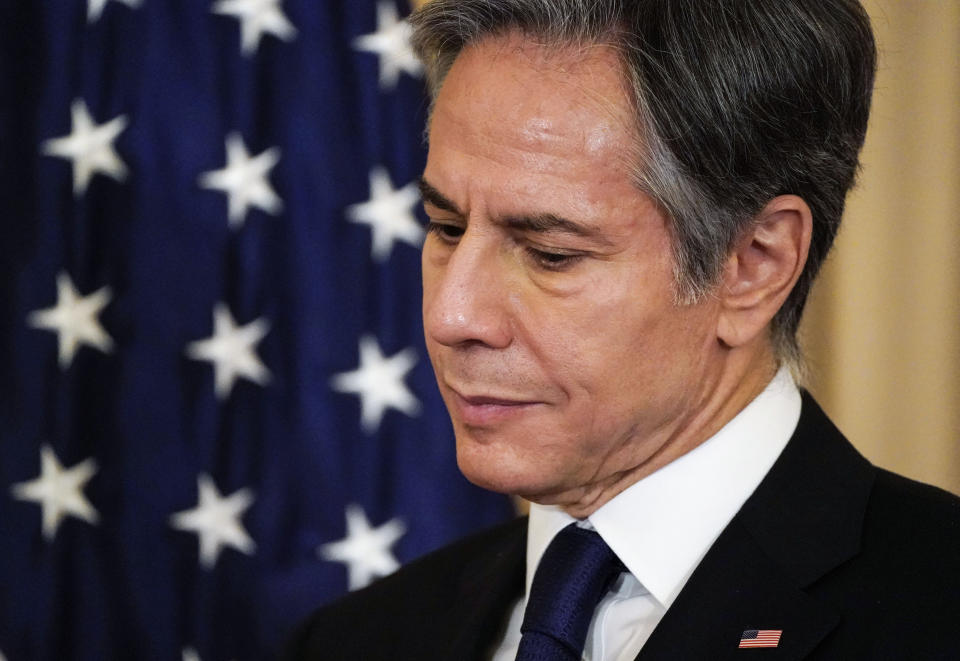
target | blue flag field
[{"x": 216, "y": 409}]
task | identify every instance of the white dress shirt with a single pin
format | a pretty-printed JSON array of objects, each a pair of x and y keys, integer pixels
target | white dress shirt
[{"x": 662, "y": 526}]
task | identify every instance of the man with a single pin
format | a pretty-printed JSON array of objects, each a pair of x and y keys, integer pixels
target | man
[{"x": 628, "y": 204}]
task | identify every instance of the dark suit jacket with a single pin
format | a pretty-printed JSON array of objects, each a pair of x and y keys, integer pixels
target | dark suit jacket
[{"x": 850, "y": 561}]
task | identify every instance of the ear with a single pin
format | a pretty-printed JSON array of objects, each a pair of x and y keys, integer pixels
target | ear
[{"x": 762, "y": 269}]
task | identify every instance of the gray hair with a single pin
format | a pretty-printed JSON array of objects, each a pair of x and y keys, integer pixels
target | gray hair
[{"x": 736, "y": 101}]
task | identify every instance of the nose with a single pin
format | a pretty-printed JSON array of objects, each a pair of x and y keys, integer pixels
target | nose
[{"x": 466, "y": 295}]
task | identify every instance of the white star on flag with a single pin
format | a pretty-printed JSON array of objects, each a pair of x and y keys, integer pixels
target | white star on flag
[
  {"x": 59, "y": 491},
  {"x": 187, "y": 654},
  {"x": 389, "y": 213},
  {"x": 232, "y": 350},
  {"x": 216, "y": 521},
  {"x": 89, "y": 146},
  {"x": 256, "y": 17},
  {"x": 244, "y": 180},
  {"x": 391, "y": 42},
  {"x": 365, "y": 550},
  {"x": 95, "y": 8},
  {"x": 378, "y": 381},
  {"x": 74, "y": 319}
]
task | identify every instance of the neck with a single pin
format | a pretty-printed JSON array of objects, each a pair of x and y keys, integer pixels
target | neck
[{"x": 743, "y": 376}]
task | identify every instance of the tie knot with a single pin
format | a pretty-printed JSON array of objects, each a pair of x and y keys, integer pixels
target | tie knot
[{"x": 575, "y": 572}]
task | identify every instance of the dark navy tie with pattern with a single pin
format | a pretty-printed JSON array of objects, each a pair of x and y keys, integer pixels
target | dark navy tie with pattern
[{"x": 575, "y": 572}]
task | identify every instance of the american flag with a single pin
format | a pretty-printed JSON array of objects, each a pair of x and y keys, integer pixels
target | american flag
[
  {"x": 216, "y": 410},
  {"x": 760, "y": 638}
]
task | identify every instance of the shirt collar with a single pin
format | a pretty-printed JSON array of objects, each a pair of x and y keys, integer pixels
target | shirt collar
[{"x": 662, "y": 526}]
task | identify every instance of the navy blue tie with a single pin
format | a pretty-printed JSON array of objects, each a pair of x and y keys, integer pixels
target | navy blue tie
[{"x": 575, "y": 572}]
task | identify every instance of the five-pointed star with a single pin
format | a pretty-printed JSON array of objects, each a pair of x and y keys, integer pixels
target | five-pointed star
[
  {"x": 389, "y": 213},
  {"x": 186, "y": 654},
  {"x": 256, "y": 17},
  {"x": 59, "y": 491},
  {"x": 95, "y": 8},
  {"x": 244, "y": 180},
  {"x": 232, "y": 350},
  {"x": 74, "y": 319},
  {"x": 378, "y": 381},
  {"x": 89, "y": 146},
  {"x": 365, "y": 550},
  {"x": 216, "y": 521},
  {"x": 391, "y": 42}
]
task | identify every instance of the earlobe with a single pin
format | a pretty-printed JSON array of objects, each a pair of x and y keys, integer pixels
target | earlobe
[{"x": 762, "y": 269}]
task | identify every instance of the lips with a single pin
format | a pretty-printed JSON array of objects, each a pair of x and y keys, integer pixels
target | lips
[
  {"x": 491, "y": 401},
  {"x": 486, "y": 410}
]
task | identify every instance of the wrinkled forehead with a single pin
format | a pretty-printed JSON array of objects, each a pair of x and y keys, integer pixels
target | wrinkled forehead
[{"x": 538, "y": 91}]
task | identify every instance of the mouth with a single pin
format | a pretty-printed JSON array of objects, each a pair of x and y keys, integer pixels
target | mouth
[{"x": 485, "y": 410}]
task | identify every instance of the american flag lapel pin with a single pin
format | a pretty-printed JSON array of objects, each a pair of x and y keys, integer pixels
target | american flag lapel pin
[{"x": 760, "y": 638}]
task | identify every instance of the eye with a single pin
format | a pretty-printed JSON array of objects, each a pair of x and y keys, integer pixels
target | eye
[
  {"x": 447, "y": 232},
  {"x": 553, "y": 261}
]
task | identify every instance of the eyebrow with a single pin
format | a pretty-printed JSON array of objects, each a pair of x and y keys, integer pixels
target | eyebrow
[
  {"x": 432, "y": 196},
  {"x": 539, "y": 222},
  {"x": 549, "y": 222}
]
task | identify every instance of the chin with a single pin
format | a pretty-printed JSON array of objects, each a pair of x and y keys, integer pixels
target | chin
[{"x": 502, "y": 468}]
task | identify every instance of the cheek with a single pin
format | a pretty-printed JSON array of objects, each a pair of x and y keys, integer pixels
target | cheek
[
  {"x": 623, "y": 351},
  {"x": 610, "y": 325}
]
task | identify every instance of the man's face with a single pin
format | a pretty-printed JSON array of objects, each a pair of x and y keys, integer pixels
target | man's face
[{"x": 548, "y": 279}]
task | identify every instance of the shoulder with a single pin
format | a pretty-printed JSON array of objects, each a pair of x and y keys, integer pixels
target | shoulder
[
  {"x": 398, "y": 616},
  {"x": 901, "y": 517},
  {"x": 913, "y": 522},
  {"x": 903, "y": 587}
]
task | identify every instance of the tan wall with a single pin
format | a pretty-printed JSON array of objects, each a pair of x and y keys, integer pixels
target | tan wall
[{"x": 883, "y": 329}]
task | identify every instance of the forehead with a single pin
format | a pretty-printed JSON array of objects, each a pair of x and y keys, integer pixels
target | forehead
[
  {"x": 539, "y": 95},
  {"x": 520, "y": 126}
]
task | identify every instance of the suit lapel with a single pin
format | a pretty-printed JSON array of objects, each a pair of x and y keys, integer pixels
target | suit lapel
[
  {"x": 737, "y": 587},
  {"x": 487, "y": 590},
  {"x": 803, "y": 520}
]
